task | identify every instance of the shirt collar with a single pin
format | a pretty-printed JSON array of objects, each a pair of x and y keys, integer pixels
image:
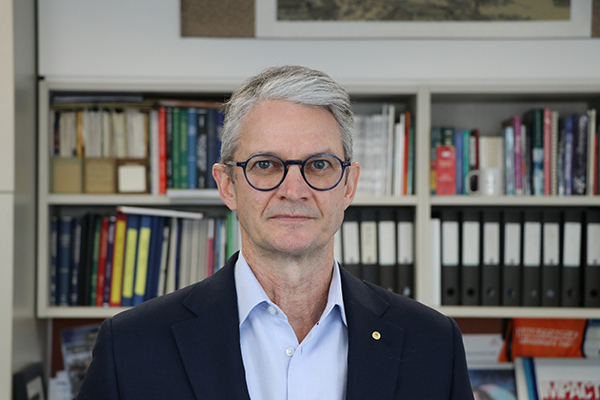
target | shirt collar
[{"x": 250, "y": 293}]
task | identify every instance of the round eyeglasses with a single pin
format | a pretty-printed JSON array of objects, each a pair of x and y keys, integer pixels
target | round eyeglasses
[{"x": 266, "y": 172}]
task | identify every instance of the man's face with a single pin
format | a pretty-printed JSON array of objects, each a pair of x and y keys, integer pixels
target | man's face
[{"x": 292, "y": 219}]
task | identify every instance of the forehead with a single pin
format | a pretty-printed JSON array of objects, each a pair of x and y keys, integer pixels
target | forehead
[{"x": 285, "y": 128}]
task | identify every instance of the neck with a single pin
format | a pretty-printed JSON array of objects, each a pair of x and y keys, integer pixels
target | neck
[{"x": 299, "y": 285}]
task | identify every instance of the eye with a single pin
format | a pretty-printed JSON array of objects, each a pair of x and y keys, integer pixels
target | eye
[
  {"x": 263, "y": 164},
  {"x": 320, "y": 164}
]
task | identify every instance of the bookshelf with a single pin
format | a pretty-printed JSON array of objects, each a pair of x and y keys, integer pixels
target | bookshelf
[{"x": 476, "y": 104}]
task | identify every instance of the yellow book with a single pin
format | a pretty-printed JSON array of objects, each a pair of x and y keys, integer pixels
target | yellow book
[
  {"x": 116, "y": 286},
  {"x": 141, "y": 271},
  {"x": 131, "y": 240}
]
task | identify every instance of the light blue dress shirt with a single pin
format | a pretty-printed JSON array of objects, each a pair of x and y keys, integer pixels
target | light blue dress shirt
[{"x": 277, "y": 366}]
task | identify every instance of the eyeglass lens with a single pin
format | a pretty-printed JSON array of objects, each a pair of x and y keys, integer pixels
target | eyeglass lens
[{"x": 320, "y": 171}]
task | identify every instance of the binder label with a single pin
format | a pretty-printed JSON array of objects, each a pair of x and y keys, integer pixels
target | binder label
[
  {"x": 387, "y": 243},
  {"x": 551, "y": 243},
  {"x": 491, "y": 243},
  {"x": 593, "y": 247},
  {"x": 450, "y": 243},
  {"x": 532, "y": 244},
  {"x": 405, "y": 242},
  {"x": 572, "y": 244},
  {"x": 512, "y": 244},
  {"x": 470, "y": 243}
]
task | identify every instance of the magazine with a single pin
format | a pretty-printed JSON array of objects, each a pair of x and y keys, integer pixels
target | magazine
[{"x": 77, "y": 345}]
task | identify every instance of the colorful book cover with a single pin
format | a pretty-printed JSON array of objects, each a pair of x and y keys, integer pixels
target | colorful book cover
[
  {"x": 116, "y": 284},
  {"x": 554, "y": 154},
  {"x": 446, "y": 170},
  {"x": 76, "y": 346}
]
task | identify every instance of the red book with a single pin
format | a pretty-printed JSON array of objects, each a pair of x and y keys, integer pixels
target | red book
[
  {"x": 446, "y": 170},
  {"x": 102, "y": 261},
  {"x": 406, "y": 153},
  {"x": 162, "y": 150},
  {"x": 596, "y": 162},
  {"x": 547, "y": 151}
]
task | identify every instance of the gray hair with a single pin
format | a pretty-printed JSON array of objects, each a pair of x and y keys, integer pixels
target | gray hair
[{"x": 297, "y": 84}]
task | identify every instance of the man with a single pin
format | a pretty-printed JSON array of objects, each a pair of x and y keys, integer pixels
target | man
[{"x": 282, "y": 320}]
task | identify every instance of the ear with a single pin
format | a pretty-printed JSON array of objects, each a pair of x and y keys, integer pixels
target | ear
[
  {"x": 350, "y": 183},
  {"x": 225, "y": 185}
]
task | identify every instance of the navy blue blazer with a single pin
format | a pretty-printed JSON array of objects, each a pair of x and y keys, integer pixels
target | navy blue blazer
[{"x": 186, "y": 345}]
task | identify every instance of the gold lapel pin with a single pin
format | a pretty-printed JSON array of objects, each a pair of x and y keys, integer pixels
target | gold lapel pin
[{"x": 376, "y": 335}]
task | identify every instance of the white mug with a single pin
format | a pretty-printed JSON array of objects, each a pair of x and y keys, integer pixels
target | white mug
[{"x": 489, "y": 182}]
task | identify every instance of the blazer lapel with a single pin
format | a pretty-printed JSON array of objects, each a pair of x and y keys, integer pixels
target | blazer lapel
[
  {"x": 374, "y": 344},
  {"x": 209, "y": 344}
]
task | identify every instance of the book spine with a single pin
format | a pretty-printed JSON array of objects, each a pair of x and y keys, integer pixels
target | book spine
[
  {"x": 547, "y": 152},
  {"x": 109, "y": 270},
  {"x": 538, "y": 152},
  {"x": 162, "y": 150},
  {"x": 436, "y": 140},
  {"x": 192, "y": 126},
  {"x": 509, "y": 142},
  {"x": 568, "y": 177},
  {"x": 407, "y": 127},
  {"x": 580, "y": 153},
  {"x": 116, "y": 285},
  {"x": 175, "y": 148},
  {"x": 458, "y": 144},
  {"x": 95, "y": 260},
  {"x": 141, "y": 266},
  {"x": 446, "y": 170},
  {"x": 410, "y": 179},
  {"x": 465, "y": 160},
  {"x": 102, "y": 254},
  {"x": 75, "y": 261},
  {"x": 131, "y": 243},
  {"x": 169, "y": 138},
  {"x": 53, "y": 259},
  {"x": 518, "y": 155},
  {"x": 202, "y": 148},
  {"x": 183, "y": 148},
  {"x": 554, "y": 154}
]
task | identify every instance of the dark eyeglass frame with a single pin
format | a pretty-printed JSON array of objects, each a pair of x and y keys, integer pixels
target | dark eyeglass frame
[{"x": 301, "y": 163}]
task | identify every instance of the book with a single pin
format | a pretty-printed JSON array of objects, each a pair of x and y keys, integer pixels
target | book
[
  {"x": 131, "y": 240},
  {"x": 580, "y": 153},
  {"x": 142, "y": 259},
  {"x": 202, "y": 172},
  {"x": 436, "y": 140},
  {"x": 53, "y": 268},
  {"x": 76, "y": 347},
  {"x": 76, "y": 234},
  {"x": 109, "y": 270},
  {"x": 446, "y": 170},
  {"x": 102, "y": 257},
  {"x": 116, "y": 282}
]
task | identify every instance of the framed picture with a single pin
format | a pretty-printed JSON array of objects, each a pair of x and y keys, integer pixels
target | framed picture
[
  {"x": 423, "y": 19},
  {"x": 28, "y": 384}
]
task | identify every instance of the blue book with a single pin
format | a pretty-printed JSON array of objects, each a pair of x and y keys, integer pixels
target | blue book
[
  {"x": 509, "y": 143},
  {"x": 458, "y": 144},
  {"x": 53, "y": 259},
  {"x": 154, "y": 258},
  {"x": 568, "y": 174},
  {"x": 77, "y": 228},
  {"x": 110, "y": 249},
  {"x": 177, "y": 252},
  {"x": 64, "y": 260},
  {"x": 202, "y": 172},
  {"x": 192, "y": 129},
  {"x": 214, "y": 126}
]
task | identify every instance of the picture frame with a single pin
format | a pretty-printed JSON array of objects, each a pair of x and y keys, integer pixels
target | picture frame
[
  {"x": 579, "y": 26},
  {"x": 29, "y": 383}
]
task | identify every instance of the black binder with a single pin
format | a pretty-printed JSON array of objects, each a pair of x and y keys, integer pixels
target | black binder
[
  {"x": 571, "y": 295},
  {"x": 591, "y": 296},
  {"x": 351, "y": 242},
  {"x": 511, "y": 260},
  {"x": 532, "y": 252},
  {"x": 550, "y": 272},
  {"x": 450, "y": 257},
  {"x": 368, "y": 245},
  {"x": 470, "y": 265},
  {"x": 386, "y": 235},
  {"x": 490, "y": 268},
  {"x": 405, "y": 234}
]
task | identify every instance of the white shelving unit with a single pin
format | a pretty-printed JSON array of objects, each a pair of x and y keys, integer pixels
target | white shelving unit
[{"x": 474, "y": 105}]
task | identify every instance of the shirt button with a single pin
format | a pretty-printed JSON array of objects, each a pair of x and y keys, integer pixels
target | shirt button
[
  {"x": 272, "y": 310},
  {"x": 289, "y": 351}
]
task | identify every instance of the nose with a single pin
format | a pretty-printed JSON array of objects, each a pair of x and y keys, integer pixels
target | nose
[{"x": 294, "y": 187}]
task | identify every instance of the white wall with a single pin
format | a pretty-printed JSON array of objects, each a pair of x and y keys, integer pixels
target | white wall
[{"x": 141, "y": 39}]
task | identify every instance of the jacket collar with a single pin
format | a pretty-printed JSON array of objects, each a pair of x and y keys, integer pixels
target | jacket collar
[{"x": 209, "y": 344}]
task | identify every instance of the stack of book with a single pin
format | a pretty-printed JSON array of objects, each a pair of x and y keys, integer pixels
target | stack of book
[
  {"x": 541, "y": 153},
  {"x": 385, "y": 150},
  {"x": 134, "y": 146},
  {"x": 135, "y": 254}
]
